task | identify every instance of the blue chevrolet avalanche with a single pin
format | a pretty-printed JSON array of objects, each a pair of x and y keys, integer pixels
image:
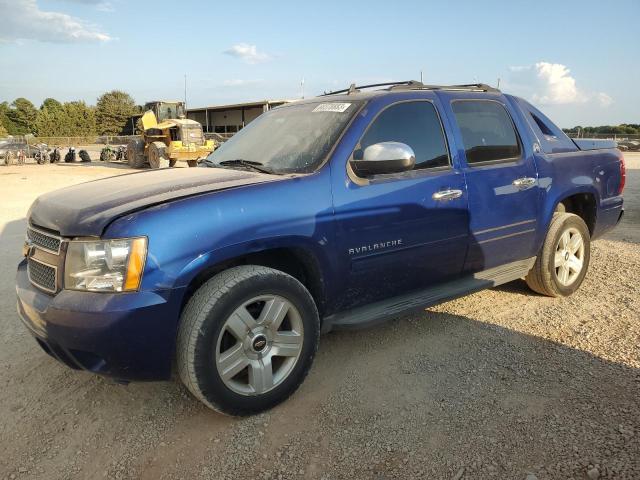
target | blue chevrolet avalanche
[{"x": 335, "y": 212}]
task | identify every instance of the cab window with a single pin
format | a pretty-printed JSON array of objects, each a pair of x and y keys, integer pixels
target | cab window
[
  {"x": 487, "y": 131},
  {"x": 415, "y": 124}
]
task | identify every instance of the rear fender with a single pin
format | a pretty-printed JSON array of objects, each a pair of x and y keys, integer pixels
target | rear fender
[{"x": 553, "y": 198}]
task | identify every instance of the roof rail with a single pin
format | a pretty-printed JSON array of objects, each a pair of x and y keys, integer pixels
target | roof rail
[
  {"x": 415, "y": 85},
  {"x": 354, "y": 89}
]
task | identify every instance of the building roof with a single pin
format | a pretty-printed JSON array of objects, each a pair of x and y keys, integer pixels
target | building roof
[{"x": 258, "y": 103}]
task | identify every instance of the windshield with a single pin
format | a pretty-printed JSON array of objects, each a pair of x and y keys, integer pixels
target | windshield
[{"x": 290, "y": 139}]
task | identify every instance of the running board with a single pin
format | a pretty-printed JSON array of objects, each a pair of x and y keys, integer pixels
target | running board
[{"x": 378, "y": 312}]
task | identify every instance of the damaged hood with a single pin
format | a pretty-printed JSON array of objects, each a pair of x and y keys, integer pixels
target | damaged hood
[{"x": 87, "y": 208}]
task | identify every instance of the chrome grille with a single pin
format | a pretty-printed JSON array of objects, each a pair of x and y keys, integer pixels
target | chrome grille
[
  {"x": 44, "y": 240},
  {"x": 42, "y": 275}
]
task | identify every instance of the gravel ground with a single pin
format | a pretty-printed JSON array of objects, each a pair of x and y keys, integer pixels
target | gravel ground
[{"x": 500, "y": 384}]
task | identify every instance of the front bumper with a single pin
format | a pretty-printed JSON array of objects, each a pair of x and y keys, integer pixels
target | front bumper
[{"x": 127, "y": 336}]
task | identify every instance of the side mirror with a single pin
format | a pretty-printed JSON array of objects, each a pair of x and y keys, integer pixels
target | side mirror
[{"x": 384, "y": 157}]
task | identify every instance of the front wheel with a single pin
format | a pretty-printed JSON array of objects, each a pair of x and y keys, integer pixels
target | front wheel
[
  {"x": 247, "y": 339},
  {"x": 135, "y": 153},
  {"x": 157, "y": 155},
  {"x": 563, "y": 261}
]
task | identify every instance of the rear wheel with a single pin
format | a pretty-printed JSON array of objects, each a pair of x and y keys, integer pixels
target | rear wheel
[
  {"x": 563, "y": 261},
  {"x": 9, "y": 158},
  {"x": 192, "y": 163},
  {"x": 157, "y": 157},
  {"x": 247, "y": 339},
  {"x": 135, "y": 153}
]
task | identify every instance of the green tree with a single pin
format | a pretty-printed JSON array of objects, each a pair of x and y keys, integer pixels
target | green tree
[
  {"x": 112, "y": 112},
  {"x": 52, "y": 119},
  {"x": 23, "y": 115},
  {"x": 80, "y": 118},
  {"x": 4, "y": 119},
  {"x": 3, "y": 131}
]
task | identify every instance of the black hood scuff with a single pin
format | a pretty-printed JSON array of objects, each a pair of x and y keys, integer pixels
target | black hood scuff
[{"x": 87, "y": 208}]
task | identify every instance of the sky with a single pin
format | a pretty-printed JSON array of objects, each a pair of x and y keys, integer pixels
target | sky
[{"x": 578, "y": 61}]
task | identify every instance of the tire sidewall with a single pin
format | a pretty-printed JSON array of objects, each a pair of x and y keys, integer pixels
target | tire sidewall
[
  {"x": 570, "y": 221},
  {"x": 209, "y": 381}
]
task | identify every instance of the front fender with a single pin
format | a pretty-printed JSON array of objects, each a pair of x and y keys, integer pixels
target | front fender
[{"x": 317, "y": 250}]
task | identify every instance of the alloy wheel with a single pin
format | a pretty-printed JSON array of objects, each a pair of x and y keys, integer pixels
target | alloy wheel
[
  {"x": 259, "y": 345},
  {"x": 569, "y": 256}
]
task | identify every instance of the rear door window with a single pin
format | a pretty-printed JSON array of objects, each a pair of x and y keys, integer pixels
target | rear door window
[{"x": 487, "y": 131}]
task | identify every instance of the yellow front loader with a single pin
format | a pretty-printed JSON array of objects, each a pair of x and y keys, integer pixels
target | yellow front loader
[{"x": 166, "y": 142}]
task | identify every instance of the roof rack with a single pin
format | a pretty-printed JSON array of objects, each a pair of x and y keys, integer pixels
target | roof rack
[{"x": 415, "y": 85}]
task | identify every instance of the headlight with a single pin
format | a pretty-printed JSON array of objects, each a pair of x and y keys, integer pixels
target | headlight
[{"x": 105, "y": 265}]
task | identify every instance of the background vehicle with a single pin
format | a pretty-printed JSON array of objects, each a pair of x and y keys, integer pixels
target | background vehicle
[
  {"x": 335, "y": 212},
  {"x": 107, "y": 154},
  {"x": 632, "y": 145},
  {"x": 166, "y": 139},
  {"x": 42, "y": 155},
  {"x": 19, "y": 146},
  {"x": 55, "y": 155}
]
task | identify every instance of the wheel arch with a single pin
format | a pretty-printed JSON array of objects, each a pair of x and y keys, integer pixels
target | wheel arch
[
  {"x": 582, "y": 204},
  {"x": 582, "y": 200},
  {"x": 299, "y": 261}
]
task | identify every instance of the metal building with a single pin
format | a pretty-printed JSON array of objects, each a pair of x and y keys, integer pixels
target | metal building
[{"x": 228, "y": 119}]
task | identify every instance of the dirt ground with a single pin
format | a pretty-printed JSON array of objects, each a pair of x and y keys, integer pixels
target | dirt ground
[{"x": 500, "y": 384}]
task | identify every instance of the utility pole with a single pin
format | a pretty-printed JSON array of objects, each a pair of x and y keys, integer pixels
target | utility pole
[
  {"x": 421, "y": 76},
  {"x": 498, "y": 87},
  {"x": 185, "y": 93},
  {"x": 302, "y": 87}
]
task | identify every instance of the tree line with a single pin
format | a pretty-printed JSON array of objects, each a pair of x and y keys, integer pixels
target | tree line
[
  {"x": 69, "y": 119},
  {"x": 622, "y": 129}
]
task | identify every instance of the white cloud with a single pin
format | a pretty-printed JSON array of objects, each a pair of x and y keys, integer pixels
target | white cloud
[
  {"x": 247, "y": 53},
  {"x": 604, "y": 99},
  {"x": 553, "y": 84},
  {"x": 102, "y": 5},
  {"x": 240, "y": 83},
  {"x": 23, "y": 20},
  {"x": 559, "y": 87}
]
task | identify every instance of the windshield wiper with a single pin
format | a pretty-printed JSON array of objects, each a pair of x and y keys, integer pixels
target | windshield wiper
[{"x": 257, "y": 166}]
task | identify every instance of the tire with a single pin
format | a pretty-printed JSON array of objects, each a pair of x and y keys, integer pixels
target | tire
[
  {"x": 554, "y": 272},
  {"x": 204, "y": 329},
  {"x": 84, "y": 156},
  {"x": 172, "y": 162},
  {"x": 135, "y": 153},
  {"x": 9, "y": 158},
  {"x": 192, "y": 163},
  {"x": 157, "y": 157}
]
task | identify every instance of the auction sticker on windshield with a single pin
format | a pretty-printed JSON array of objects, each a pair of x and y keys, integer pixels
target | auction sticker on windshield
[{"x": 332, "y": 107}]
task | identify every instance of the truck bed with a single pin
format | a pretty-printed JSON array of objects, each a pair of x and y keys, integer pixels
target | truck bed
[{"x": 594, "y": 143}]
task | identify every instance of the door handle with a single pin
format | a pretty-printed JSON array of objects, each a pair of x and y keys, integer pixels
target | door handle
[
  {"x": 524, "y": 183},
  {"x": 447, "y": 194}
]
